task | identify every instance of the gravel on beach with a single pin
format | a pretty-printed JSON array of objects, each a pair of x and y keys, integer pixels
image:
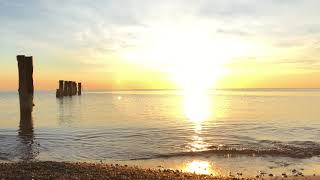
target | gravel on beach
[{"x": 65, "y": 170}]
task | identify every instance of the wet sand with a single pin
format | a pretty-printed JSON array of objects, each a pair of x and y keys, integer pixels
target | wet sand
[{"x": 65, "y": 170}]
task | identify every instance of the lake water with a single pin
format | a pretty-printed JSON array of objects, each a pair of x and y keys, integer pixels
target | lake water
[{"x": 214, "y": 132}]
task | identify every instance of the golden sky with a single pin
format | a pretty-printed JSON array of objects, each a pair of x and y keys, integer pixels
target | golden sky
[{"x": 166, "y": 44}]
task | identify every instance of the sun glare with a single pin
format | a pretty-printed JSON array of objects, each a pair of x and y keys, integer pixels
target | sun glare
[{"x": 192, "y": 57}]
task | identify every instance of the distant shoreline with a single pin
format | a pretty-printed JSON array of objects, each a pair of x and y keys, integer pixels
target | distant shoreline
[{"x": 77, "y": 170}]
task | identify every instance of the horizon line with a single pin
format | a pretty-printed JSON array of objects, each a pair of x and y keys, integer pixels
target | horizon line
[{"x": 164, "y": 89}]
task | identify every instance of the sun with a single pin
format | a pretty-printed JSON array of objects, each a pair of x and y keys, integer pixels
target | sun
[{"x": 192, "y": 57}]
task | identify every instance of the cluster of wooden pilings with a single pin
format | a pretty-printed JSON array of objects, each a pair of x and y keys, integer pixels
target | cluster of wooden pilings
[{"x": 68, "y": 88}]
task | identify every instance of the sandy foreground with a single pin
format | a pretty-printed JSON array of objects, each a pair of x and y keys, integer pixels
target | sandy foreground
[{"x": 64, "y": 170}]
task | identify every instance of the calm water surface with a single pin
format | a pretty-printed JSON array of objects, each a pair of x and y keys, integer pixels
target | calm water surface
[{"x": 214, "y": 132}]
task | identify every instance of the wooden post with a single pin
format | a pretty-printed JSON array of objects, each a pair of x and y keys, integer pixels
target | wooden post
[
  {"x": 75, "y": 88},
  {"x": 72, "y": 88},
  {"x": 69, "y": 88},
  {"x": 26, "y": 89},
  {"x": 58, "y": 94},
  {"x": 60, "y": 88},
  {"x": 79, "y": 89},
  {"x": 65, "y": 88}
]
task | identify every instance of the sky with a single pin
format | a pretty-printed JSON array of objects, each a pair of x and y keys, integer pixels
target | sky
[{"x": 167, "y": 44}]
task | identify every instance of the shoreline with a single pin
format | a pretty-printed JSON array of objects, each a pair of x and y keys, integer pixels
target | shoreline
[{"x": 83, "y": 170}]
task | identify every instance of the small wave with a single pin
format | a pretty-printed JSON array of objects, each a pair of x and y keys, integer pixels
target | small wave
[{"x": 294, "y": 149}]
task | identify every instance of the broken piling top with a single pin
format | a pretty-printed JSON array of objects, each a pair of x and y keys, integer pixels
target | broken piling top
[
  {"x": 26, "y": 89},
  {"x": 25, "y": 67}
]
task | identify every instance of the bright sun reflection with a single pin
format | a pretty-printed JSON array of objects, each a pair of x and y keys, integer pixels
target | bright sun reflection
[
  {"x": 196, "y": 106},
  {"x": 197, "y": 110},
  {"x": 199, "y": 167}
]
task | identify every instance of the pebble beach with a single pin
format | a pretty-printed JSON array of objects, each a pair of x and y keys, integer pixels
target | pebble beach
[{"x": 66, "y": 170}]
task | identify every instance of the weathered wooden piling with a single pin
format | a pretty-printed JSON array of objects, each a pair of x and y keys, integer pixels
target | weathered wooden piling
[
  {"x": 74, "y": 89},
  {"x": 79, "y": 89},
  {"x": 69, "y": 88},
  {"x": 61, "y": 88},
  {"x": 58, "y": 94},
  {"x": 65, "y": 88},
  {"x": 26, "y": 89}
]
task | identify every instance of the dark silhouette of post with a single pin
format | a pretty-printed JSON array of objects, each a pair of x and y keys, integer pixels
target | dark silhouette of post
[
  {"x": 58, "y": 94},
  {"x": 69, "y": 88},
  {"x": 72, "y": 88},
  {"x": 26, "y": 90},
  {"x": 60, "y": 88},
  {"x": 79, "y": 89},
  {"x": 75, "y": 88},
  {"x": 65, "y": 88}
]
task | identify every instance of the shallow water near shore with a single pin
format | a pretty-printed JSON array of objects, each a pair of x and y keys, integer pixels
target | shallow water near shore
[{"x": 214, "y": 132}]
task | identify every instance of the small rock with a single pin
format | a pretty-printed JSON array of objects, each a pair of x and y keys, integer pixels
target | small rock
[
  {"x": 271, "y": 175},
  {"x": 284, "y": 175}
]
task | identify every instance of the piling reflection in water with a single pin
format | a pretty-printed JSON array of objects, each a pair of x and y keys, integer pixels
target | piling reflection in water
[
  {"x": 67, "y": 109},
  {"x": 27, "y": 149}
]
